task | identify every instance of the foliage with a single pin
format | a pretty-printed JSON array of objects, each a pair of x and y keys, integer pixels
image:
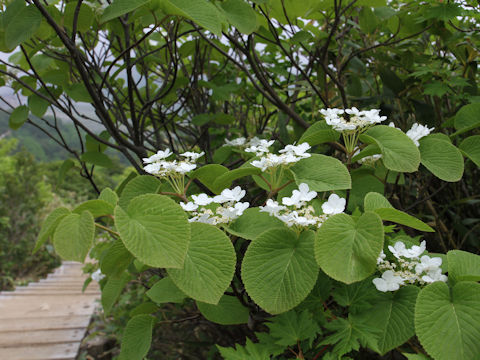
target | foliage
[{"x": 177, "y": 76}]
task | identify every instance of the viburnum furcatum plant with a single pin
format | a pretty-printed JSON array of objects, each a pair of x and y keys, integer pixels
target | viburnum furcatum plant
[{"x": 291, "y": 242}]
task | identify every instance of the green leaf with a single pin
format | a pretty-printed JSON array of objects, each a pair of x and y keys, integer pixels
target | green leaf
[
  {"x": 463, "y": 266},
  {"x": 74, "y": 235},
  {"x": 251, "y": 351},
  {"x": 49, "y": 226},
  {"x": 447, "y": 320},
  {"x": 18, "y": 117},
  {"x": 209, "y": 265},
  {"x": 165, "y": 291},
  {"x": 37, "y": 105},
  {"x": 97, "y": 158},
  {"x": 471, "y": 148},
  {"x": 367, "y": 20},
  {"x": 393, "y": 315},
  {"x": 322, "y": 173},
  {"x": 375, "y": 201},
  {"x": 347, "y": 248},
  {"x": 120, "y": 7},
  {"x": 319, "y": 133},
  {"x": 139, "y": 185},
  {"x": 115, "y": 260},
  {"x": 112, "y": 290},
  {"x": 468, "y": 117},
  {"x": 22, "y": 26},
  {"x": 363, "y": 182},
  {"x": 291, "y": 327},
  {"x": 62, "y": 172},
  {"x": 155, "y": 230},
  {"x": 96, "y": 207},
  {"x": 144, "y": 308},
  {"x": 78, "y": 92},
  {"x": 202, "y": 12},
  {"x": 359, "y": 297},
  {"x": 228, "y": 311},
  {"x": 442, "y": 158},
  {"x": 208, "y": 174},
  {"x": 84, "y": 19},
  {"x": 241, "y": 15},
  {"x": 253, "y": 223},
  {"x": 400, "y": 217},
  {"x": 398, "y": 150},
  {"x": 443, "y": 12},
  {"x": 94, "y": 145},
  {"x": 279, "y": 269},
  {"x": 225, "y": 180},
  {"x": 109, "y": 196},
  {"x": 137, "y": 338}
]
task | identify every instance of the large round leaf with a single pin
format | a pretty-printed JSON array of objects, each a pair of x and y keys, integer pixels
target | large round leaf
[
  {"x": 467, "y": 117},
  {"x": 347, "y": 249},
  {"x": 74, "y": 235},
  {"x": 463, "y": 266},
  {"x": 398, "y": 150},
  {"x": 209, "y": 265},
  {"x": 322, "y": 173},
  {"x": 137, "y": 337},
  {"x": 442, "y": 158},
  {"x": 279, "y": 269},
  {"x": 252, "y": 223},
  {"x": 155, "y": 230},
  {"x": 144, "y": 184},
  {"x": 49, "y": 226},
  {"x": 228, "y": 311},
  {"x": 471, "y": 148},
  {"x": 447, "y": 321}
]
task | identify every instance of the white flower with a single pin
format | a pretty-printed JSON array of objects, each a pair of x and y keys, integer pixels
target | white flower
[
  {"x": 417, "y": 132},
  {"x": 272, "y": 207},
  {"x": 294, "y": 200},
  {"x": 193, "y": 155},
  {"x": 388, "y": 282},
  {"x": 261, "y": 164},
  {"x": 202, "y": 199},
  {"x": 255, "y": 141},
  {"x": 97, "y": 275},
  {"x": 399, "y": 250},
  {"x": 169, "y": 165},
  {"x": 203, "y": 218},
  {"x": 381, "y": 257},
  {"x": 261, "y": 148},
  {"x": 185, "y": 167},
  {"x": 152, "y": 168},
  {"x": 334, "y": 205},
  {"x": 434, "y": 275},
  {"x": 190, "y": 206},
  {"x": 299, "y": 196},
  {"x": 235, "y": 142},
  {"x": 428, "y": 264},
  {"x": 233, "y": 212},
  {"x": 160, "y": 155},
  {"x": 358, "y": 119},
  {"x": 299, "y": 150},
  {"x": 302, "y": 220},
  {"x": 236, "y": 194}
]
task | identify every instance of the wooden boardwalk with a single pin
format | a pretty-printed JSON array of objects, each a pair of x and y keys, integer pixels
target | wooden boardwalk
[{"x": 48, "y": 319}]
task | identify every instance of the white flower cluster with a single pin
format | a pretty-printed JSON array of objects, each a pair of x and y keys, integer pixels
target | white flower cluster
[
  {"x": 157, "y": 165},
  {"x": 230, "y": 208},
  {"x": 288, "y": 155},
  {"x": 410, "y": 268},
  {"x": 241, "y": 141},
  {"x": 416, "y": 132},
  {"x": 296, "y": 211},
  {"x": 97, "y": 275},
  {"x": 358, "y": 119}
]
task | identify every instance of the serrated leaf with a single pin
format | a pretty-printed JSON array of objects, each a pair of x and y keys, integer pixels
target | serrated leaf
[
  {"x": 241, "y": 15},
  {"x": 155, "y": 230},
  {"x": 144, "y": 308},
  {"x": 253, "y": 223},
  {"x": 322, "y": 173},
  {"x": 139, "y": 185},
  {"x": 251, "y": 351},
  {"x": 137, "y": 338},
  {"x": 22, "y": 26},
  {"x": 399, "y": 152},
  {"x": 400, "y": 217},
  {"x": 449, "y": 313},
  {"x": 18, "y": 117},
  {"x": 49, "y": 226},
  {"x": 291, "y": 327},
  {"x": 78, "y": 92},
  {"x": 471, "y": 148},
  {"x": 228, "y": 311},
  {"x": 463, "y": 266},
  {"x": 74, "y": 235},
  {"x": 85, "y": 16},
  {"x": 358, "y": 297},
  {"x": 120, "y": 7},
  {"x": 347, "y": 249},
  {"x": 209, "y": 265},
  {"x": 109, "y": 196},
  {"x": 96, "y": 207},
  {"x": 37, "y": 105},
  {"x": 115, "y": 260},
  {"x": 279, "y": 269},
  {"x": 442, "y": 158},
  {"x": 112, "y": 290},
  {"x": 374, "y": 201},
  {"x": 164, "y": 291}
]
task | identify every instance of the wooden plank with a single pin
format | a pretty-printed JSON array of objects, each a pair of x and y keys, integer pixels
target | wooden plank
[
  {"x": 44, "y": 323},
  {"x": 39, "y": 337},
  {"x": 41, "y": 352}
]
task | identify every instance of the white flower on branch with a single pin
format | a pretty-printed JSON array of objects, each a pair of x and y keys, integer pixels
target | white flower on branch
[
  {"x": 334, "y": 205},
  {"x": 202, "y": 199},
  {"x": 160, "y": 155},
  {"x": 417, "y": 132}
]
